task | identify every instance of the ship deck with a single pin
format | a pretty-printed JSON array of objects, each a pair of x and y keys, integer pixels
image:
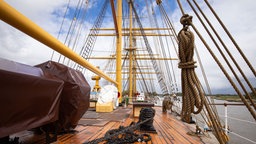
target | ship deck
[{"x": 94, "y": 125}]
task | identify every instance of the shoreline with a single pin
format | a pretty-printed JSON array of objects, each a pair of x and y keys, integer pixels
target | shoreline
[{"x": 231, "y": 98}]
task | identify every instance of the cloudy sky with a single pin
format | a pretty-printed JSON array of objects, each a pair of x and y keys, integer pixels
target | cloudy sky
[{"x": 239, "y": 16}]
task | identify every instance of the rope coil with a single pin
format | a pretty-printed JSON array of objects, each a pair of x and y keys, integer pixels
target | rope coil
[
  {"x": 192, "y": 91},
  {"x": 186, "y": 20},
  {"x": 187, "y": 65}
]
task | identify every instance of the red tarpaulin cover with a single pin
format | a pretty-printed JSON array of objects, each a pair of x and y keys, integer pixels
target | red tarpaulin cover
[
  {"x": 28, "y": 99},
  {"x": 74, "y": 97},
  {"x": 31, "y": 97}
]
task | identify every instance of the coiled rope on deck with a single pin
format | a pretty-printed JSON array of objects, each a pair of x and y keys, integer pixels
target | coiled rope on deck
[{"x": 191, "y": 89}]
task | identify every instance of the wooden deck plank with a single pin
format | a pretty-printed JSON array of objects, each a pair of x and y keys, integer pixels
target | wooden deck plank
[
  {"x": 156, "y": 139},
  {"x": 102, "y": 132},
  {"x": 182, "y": 129},
  {"x": 170, "y": 133},
  {"x": 83, "y": 135},
  {"x": 169, "y": 129},
  {"x": 177, "y": 128},
  {"x": 168, "y": 138},
  {"x": 159, "y": 136}
]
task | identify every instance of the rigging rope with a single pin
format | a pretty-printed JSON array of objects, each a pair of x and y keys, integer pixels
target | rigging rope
[
  {"x": 123, "y": 64},
  {"x": 222, "y": 68},
  {"x": 156, "y": 66},
  {"x": 61, "y": 26},
  {"x": 83, "y": 11},
  {"x": 92, "y": 37},
  {"x": 71, "y": 25},
  {"x": 186, "y": 59},
  {"x": 224, "y": 57},
  {"x": 192, "y": 90},
  {"x": 173, "y": 35},
  {"x": 166, "y": 68},
  {"x": 150, "y": 12},
  {"x": 231, "y": 38},
  {"x": 143, "y": 79}
]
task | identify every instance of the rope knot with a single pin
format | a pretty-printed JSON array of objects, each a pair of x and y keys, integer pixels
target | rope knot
[
  {"x": 186, "y": 20},
  {"x": 187, "y": 65}
]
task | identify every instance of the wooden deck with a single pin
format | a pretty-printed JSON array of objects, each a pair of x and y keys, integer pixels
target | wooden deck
[{"x": 94, "y": 125}]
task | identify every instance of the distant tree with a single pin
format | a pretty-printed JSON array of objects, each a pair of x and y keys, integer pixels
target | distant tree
[
  {"x": 154, "y": 94},
  {"x": 179, "y": 94},
  {"x": 125, "y": 92},
  {"x": 151, "y": 94}
]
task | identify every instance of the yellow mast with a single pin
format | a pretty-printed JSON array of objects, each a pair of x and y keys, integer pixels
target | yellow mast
[
  {"x": 131, "y": 49},
  {"x": 119, "y": 49}
]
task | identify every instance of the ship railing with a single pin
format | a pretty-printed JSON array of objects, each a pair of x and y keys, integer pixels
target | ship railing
[
  {"x": 178, "y": 106},
  {"x": 226, "y": 117}
]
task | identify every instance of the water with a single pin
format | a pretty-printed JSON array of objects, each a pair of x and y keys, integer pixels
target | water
[{"x": 243, "y": 128}]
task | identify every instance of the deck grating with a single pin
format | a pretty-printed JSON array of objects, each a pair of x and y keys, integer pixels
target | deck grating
[{"x": 92, "y": 122}]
